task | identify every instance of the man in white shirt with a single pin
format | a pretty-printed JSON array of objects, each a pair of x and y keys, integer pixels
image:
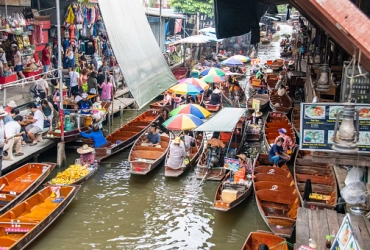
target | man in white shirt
[
  {"x": 37, "y": 123},
  {"x": 73, "y": 76},
  {"x": 13, "y": 130},
  {"x": 42, "y": 85}
]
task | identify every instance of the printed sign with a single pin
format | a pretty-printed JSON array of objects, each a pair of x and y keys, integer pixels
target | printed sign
[
  {"x": 231, "y": 164},
  {"x": 318, "y": 123},
  {"x": 345, "y": 238},
  {"x": 256, "y": 104}
]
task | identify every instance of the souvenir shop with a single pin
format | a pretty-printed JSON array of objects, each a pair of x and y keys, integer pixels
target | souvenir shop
[{"x": 29, "y": 34}]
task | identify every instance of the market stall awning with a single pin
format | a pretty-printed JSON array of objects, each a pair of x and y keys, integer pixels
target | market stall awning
[
  {"x": 144, "y": 68},
  {"x": 224, "y": 121}
]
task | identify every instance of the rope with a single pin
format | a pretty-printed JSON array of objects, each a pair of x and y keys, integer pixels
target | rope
[{"x": 283, "y": 243}]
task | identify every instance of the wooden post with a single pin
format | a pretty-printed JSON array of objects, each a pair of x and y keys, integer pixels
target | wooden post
[{"x": 61, "y": 155}]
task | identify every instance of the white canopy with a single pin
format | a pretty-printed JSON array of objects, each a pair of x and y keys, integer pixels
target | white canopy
[{"x": 224, "y": 121}]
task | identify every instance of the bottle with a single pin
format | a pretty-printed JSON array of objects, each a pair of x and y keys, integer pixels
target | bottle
[
  {"x": 312, "y": 243},
  {"x": 332, "y": 237},
  {"x": 328, "y": 242}
]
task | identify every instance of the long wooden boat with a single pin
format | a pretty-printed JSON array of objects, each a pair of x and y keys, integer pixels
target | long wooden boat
[
  {"x": 20, "y": 183},
  {"x": 276, "y": 196},
  {"x": 285, "y": 53},
  {"x": 69, "y": 136},
  {"x": 241, "y": 192},
  {"x": 272, "y": 241},
  {"x": 194, "y": 155},
  {"x": 227, "y": 98},
  {"x": 24, "y": 223},
  {"x": 323, "y": 181},
  {"x": 255, "y": 82},
  {"x": 280, "y": 103},
  {"x": 211, "y": 107},
  {"x": 236, "y": 141},
  {"x": 180, "y": 72},
  {"x": 67, "y": 181},
  {"x": 158, "y": 106},
  {"x": 263, "y": 98},
  {"x": 126, "y": 135},
  {"x": 144, "y": 159},
  {"x": 273, "y": 122},
  {"x": 271, "y": 81},
  {"x": 277, "y": 64},
  {"x": 296, "y": 119}
]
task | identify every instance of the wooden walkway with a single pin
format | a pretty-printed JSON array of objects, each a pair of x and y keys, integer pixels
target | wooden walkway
[
  {"x": 316, "y": 224},
  {"x": 30, "y": 154},
  {"x": 121, "y": 104}
]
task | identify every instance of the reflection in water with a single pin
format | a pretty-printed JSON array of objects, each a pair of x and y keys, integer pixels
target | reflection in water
[{"x": 114, "y": 210}]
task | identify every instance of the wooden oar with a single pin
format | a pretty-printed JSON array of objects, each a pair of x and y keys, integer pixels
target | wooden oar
[{"x": 207, "y": 173}]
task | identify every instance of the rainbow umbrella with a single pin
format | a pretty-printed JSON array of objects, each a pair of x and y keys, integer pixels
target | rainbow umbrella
[
  {"x": 182, "y": 122},
  {"x": 241, "y": 58},
  {"x": 192, "y": 109},
  {"x": 212, "y": 71},
  {"x": 196, "y": 82},
  {"x": 232, "y": 62},
  {"x": 186, "y": 88},
  {"x": 213, "y": 78}
]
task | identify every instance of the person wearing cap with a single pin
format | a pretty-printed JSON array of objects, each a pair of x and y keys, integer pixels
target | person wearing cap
[
  {"x": 276, "y": 154},
  {"x": 96, "y": 135},
  {"x": 215, "y": 97},
  {"x": 37, "y": 124},
  {"x": 177, "y": 155},
  {"x": 87, "y": 156},
  {"x": 18, "y": 66},
  {"x": 46, "y": 56},
  {"x": 84, "y": 105},
  {"x": 10, "y": 105},
  {"x": 288, "y": 143},
  {"x": 153, "y": 138}
]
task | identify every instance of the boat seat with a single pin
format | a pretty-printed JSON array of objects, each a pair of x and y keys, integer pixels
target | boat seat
[
  {"x": 274, "y": 205},
  {"x": 144, "y": 154},
  {"x": 17, "y": 187}
]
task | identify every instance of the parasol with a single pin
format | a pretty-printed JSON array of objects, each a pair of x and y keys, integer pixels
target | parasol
[
  {"x": 212, "y": 71},
  {"x": 182, "y": 122},
  {"x": 186, "y": 88},
  {"x": 213, "y": 78},
  {"x": 193, "y": 109},
  {"x": 196, "y": 82}
]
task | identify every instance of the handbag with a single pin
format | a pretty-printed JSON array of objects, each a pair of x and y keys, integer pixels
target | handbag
[{"x": 92, "y": 91}]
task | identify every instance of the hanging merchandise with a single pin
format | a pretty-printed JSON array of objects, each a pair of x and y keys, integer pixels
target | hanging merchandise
[
  {"x": 26, "y": 41},
  {"x": 72, "y": 35},
  {"x": 70, "y": 16}
]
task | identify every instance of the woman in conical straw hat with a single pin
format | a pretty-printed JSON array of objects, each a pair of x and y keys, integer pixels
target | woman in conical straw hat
[{"x": 86, "y": 155}]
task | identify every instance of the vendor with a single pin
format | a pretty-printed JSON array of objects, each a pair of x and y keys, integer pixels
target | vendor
[
  {"x": 153, "y": 138},
  {"x": 215, "y": 97},
  {"x": 86, "y": 155},
  {"x": 256, "y": 117},
  {"x": 96, "y": 135},
  {"x": 276, "y": 154},
  {"x": 243, "y": 164},
  {"x": 288, "y": 144},
  {"x": 84, "y": 105},
  {"x": 177, "y": 155}
]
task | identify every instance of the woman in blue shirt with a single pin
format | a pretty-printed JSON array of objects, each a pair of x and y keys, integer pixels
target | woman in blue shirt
[{"x": 96, "y": 135}]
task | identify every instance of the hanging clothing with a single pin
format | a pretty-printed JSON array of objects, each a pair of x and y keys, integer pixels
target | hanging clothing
[
  {"x": 178, "y": 26},
  {"x": 70, "y": 15}
]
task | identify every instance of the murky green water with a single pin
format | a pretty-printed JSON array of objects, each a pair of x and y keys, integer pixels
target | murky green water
[{"x": 114, "y": 210}]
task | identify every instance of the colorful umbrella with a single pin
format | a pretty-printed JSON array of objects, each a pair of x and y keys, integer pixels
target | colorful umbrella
[
  {"x": 212, "y": 71},
  {"x": 182, "y": 122},
  {"x": 242, "y": 58},
  {"x": 232, "y": 62},
  {"x": 192, "y": 109},
  {"x": 186, "y": 88},
  {"x": 196, "y": 82},
  {"x": 213, "y": 78}
]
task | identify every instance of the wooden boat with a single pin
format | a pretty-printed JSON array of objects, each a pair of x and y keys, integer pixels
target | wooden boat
[
  {"x": 144, "y": 159},
  {"x": 194, "y": 155},
  {"x": 285, "y": 53},
  {"x": 235, "y": 139},
  {"x": 265, "y": 41},
  {"x": 273, "y": 122},
  {"x": 296, "y": 119},
  {"x": 278, "y": 103},
  {"x": 20, "y": 183},
  {"x": 24, "y": 223},
  {"x": 264, "y": 101},
  {"x": 255, "y": 82},
  {"x": 241, "y": 191},
  {"x": 227, "y": 98},
  {"x": 271, "y": 81},
  {"x": 69, "y": 136},
  {"x": 277, "y": 64},
  {"x": 126, "y": 135},
  {"x": 323, "y": 181},
  {"x": 158, "y": 106},
  {"x": 253, "y": 132},
  {"x": 180, "y": 72},
  {"x": 272, "y": 241},
  {"x": 211, "y": 107},
  {"x": 276, "y": 197}
]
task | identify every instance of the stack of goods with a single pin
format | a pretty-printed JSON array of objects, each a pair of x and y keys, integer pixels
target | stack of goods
[
  {"x": 254, "y": 129},
  {"x": 70, "y": 175}
]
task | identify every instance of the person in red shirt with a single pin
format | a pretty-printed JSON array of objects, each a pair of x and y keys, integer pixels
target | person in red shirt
[{"x": 46, "y": 55}]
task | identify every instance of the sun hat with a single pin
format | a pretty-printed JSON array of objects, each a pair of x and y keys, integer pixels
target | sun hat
[
  {"x": 84, "y": 149},
  {"x": 177, "y": 140},
  {"x": 242, "y": 156},
  {"x": 11, "y": 104},
  {"x": 216, "y": 91},
  {"x": 258, "y": 114},
  {"x": 282, "y": 130},
  {"x": 3, "y": 112},
  {"x": 84, "y": 95}
]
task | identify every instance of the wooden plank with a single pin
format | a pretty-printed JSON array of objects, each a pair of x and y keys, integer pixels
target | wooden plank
[
  {"x": 302, "y": 228},
  {"x": 340, "y": 219},
  {"x": 341, "y": 175},
  {"x": 315, "y": 224},
  {"x": 323, "y": 228},
  {"x": 354, "y": 221},
  {"x": 332, "y": 218},
  {"x": 364, "y": 230}
]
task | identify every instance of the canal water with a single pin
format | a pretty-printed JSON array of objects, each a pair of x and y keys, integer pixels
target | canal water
[{"x": 114, "y": 210}]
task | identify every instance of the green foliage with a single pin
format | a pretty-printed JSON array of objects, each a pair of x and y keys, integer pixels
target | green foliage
[
  {"x": 282, "y": 8},
  {"x": 193, "y": 6}
]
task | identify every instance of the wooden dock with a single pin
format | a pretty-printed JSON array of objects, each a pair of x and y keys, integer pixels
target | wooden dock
[
  {"x": 121, "y": 104},
  {"x": 316, "y": 224},
  {"x": 30, "y": 154}
]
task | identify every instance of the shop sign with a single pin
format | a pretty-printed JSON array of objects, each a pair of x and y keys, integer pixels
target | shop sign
[
  {"x": 345, "y": 238},
  {"x": 256, "y": 104},
  {"x": 318, "y": 123}
]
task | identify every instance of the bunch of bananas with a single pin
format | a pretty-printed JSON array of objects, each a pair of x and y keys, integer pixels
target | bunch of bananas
[{"x": 70, "y": 175}]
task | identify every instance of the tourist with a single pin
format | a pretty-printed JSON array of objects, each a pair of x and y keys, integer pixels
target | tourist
[
  {"x": 276, "y": 154},
  {"x": 167, "y": 99},
  {"x": 164, "y": 116},
  {"x": 116, "y": 73},
  {"x": 217, "y": 64},
  {"x": 71, "y": 58},
  {"x": 46, "y": 55},
  {"x": 42, "y": 86},
  {"x": 94, "y": 62},
  {"x": 84, "y": 105},
  {"x": 37, "y": 124},
  {"x": 87, "y": 156},
  {"x": 281, "y": 91},
  {"x": 92, "y": 83},
  {"x": 73, "y": 76},
  {"x": 104, "y": 68},
  {"x": 76, "y": 97},
  {"x": 153, "y": 138},
  {"x": 18, "y": 66},
  {"x": 10, "y": 105},
  {"x": 259, "y": 74},
  {"x": 107, "y": 90},
  {"x": 13, "y": 131},
  {"x": 56, "y": 97},
  {"x": 14, "y": 112},
  {"x": 288, "y": 143},
  {"x": 100, "y": 79},
  {"x": 215, "y": 97},
  {"x": 177, "y": 155},
  {"x": 47, "y": 110},
  {"x": 96, "y": 135},
  {"x": 82, "y": 81},
  {"x": 189, "y": 140},
  {"x": 3, "y": 138}
]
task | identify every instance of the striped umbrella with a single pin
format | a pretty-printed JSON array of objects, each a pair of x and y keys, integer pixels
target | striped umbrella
[
  {"x": 213, "y": 78},
  {"x": 182, "y": 122},
  {"x": 196, "y": 82},
  {"x": 193, "y": 109},
  {"x": 241, "y": 58},
  {"x": 232, "y": 62},
  {"x": 186, "y": 88},
  {"x": 212, "y": 71}
]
